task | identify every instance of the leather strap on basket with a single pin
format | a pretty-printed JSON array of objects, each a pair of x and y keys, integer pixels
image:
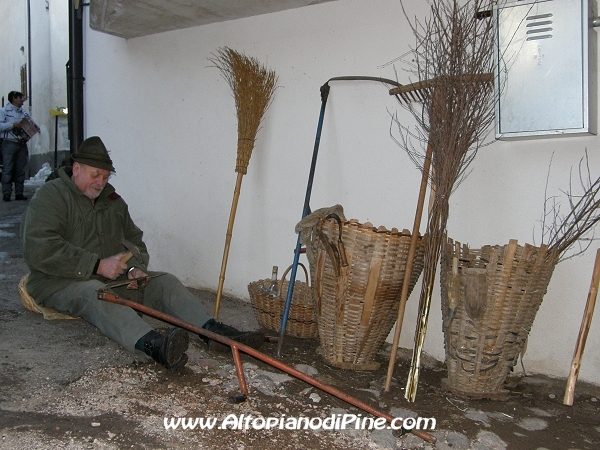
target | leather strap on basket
[{"x": 335, "y": 250}]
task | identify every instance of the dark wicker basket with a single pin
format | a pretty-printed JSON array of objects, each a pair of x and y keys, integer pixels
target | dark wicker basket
[{"x": 490, "y": 297}]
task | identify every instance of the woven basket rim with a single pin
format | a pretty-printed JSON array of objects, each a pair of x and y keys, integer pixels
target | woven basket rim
[
  {"x": 296, "y": 300},
  {"x": 382, "y": 229}
]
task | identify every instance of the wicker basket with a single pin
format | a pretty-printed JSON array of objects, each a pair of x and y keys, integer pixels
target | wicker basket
[
  {"x": 490, "y": 297},
  {"x": 302, "y": 322},
  {"x": 357, "y": 309}
]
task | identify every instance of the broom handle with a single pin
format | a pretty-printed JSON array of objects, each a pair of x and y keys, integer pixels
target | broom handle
[
  {"x": 236, "y": 196},
  {"x": 409, "y": 265},
  {"x": 583, "y": 332}
]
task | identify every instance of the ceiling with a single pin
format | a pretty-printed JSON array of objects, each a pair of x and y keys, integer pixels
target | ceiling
[{"x": 135, "y": 18}]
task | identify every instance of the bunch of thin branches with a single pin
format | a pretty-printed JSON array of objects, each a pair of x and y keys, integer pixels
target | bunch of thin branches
[
  {"x": 253, "y": 87},
  {"x": 453, "y": 60},
  {"x": 453, "y": 51},
  {"x": 564, "y": 232}
]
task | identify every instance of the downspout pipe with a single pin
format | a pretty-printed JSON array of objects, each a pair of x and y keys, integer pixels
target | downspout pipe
[
  {"x": 29, "y": 83},
  {"x": 75, "y": 75}
]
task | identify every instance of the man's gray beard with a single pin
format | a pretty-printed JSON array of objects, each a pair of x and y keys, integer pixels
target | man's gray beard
[{"x": 93, "y": 196}]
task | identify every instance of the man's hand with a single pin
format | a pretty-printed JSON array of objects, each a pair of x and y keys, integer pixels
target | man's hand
[
  {"x": 135, "y": 273},
  {"x": 112, "y": 267},
  {"x": 17, "y": 125}
]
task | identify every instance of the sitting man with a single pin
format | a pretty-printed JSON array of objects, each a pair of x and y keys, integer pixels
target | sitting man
[{"x": 72, "y": 235}]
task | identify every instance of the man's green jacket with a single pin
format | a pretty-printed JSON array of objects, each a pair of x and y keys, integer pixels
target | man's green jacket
[{"x": 64, "y": 235}]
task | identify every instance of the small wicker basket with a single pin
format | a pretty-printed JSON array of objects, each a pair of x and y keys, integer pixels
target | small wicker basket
[{"x": 302, "y": 321}]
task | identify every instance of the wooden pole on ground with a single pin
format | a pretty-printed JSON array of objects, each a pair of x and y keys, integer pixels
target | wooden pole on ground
[
  {"x": 236, "y": 196},
  {"x": 409, "y": 265},
  {"x": 413, "y": 92},
  {"x": 583, "y": 333}
]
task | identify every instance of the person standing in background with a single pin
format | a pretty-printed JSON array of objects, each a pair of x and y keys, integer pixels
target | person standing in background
[{"x": 15, "y": 154}]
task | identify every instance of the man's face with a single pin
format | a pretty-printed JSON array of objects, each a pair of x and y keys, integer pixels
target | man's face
[
  {"x": 89, "y": 180},
  {"x": 17, "y": 101}
]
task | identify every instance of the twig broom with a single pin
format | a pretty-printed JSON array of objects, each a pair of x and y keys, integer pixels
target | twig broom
[
  {"x": 454, "y": 52},
  {"x": 253, "y": 87}
]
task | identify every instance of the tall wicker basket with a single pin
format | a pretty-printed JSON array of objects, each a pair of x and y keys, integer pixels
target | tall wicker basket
[
  {"x": 490, "y": 297},
  {"x": 357, "y": 304}
]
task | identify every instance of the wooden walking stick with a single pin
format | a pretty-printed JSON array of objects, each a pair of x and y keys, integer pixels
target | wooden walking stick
[
  {"x": 253, "y": 87},
  {"x": 583, "y": 332}
]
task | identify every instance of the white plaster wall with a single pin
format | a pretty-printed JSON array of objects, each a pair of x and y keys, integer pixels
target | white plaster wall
[
  {"x": 13, "y": 36},
  {"x": 169, "y": 119},
  {"x": 41, "y": 77},
  {"x": 59, "y": 56}
]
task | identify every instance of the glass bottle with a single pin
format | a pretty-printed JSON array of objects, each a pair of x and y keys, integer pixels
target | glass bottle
[{"x": 272, "y": 287}]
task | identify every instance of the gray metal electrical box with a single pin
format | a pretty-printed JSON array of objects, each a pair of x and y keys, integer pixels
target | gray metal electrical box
[{"x": 546, "y": 69}]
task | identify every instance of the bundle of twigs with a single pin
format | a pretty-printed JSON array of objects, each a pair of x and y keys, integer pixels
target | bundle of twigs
[
  {"x": 561, "y": 232},
  {"x": 253, "y": 87},
  {"x": 453, "y": 53}
]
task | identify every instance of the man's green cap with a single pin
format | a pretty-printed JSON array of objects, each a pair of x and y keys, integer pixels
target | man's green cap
[{"x": 93, "y": 153}]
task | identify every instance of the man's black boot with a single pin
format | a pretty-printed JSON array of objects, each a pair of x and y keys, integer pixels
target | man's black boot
[
  {"x": 168, "y": 350},
  {"x": 254, "y": 339}
]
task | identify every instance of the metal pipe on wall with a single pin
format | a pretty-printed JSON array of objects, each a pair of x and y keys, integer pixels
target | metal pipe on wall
[
  {"x": 75, "y": 75},
  {"x": 29, "y": 94}
]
